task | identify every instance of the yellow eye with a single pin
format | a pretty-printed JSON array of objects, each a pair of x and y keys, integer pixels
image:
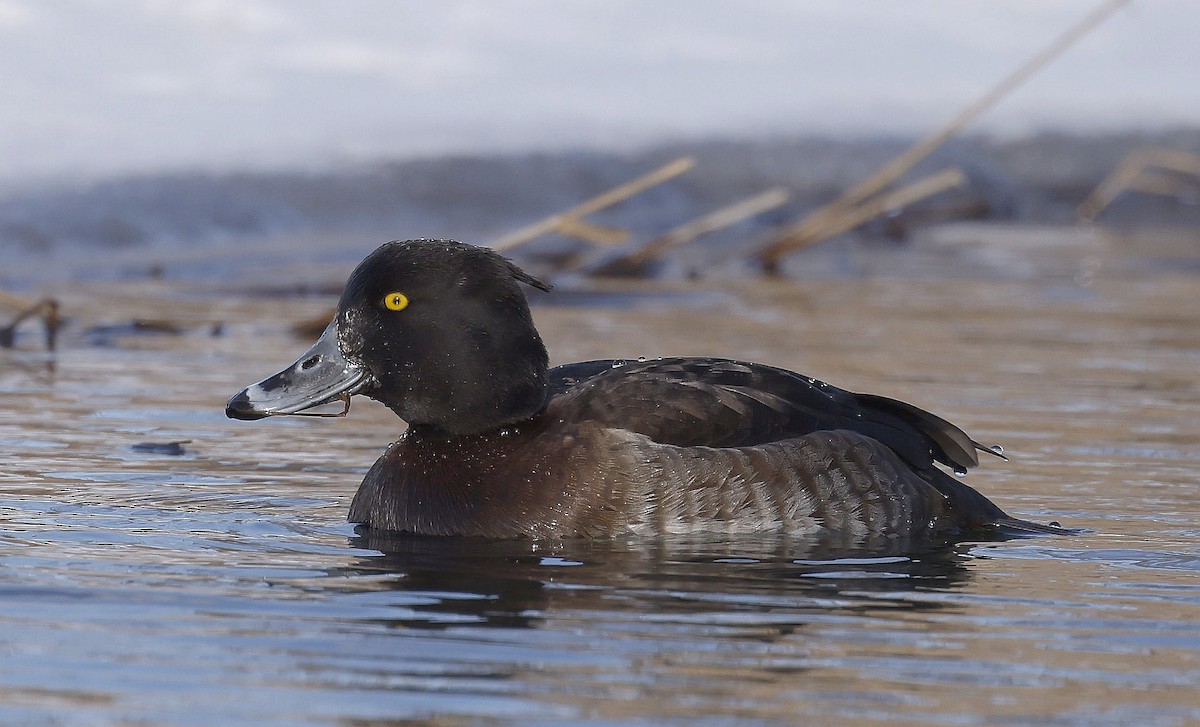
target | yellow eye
[{"x": 395, "y": 301}]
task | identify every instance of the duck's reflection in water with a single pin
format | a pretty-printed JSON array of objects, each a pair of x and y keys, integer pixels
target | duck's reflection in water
[{"x": 767, "y": 578}]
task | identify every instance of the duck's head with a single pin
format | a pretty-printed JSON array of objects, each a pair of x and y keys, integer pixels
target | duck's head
[{"x": 437, "y": 330}]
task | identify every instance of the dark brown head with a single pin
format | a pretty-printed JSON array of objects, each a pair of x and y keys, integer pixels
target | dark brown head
[{"x": 437, "y": 330}]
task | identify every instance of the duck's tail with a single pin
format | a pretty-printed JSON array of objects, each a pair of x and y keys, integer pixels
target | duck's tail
[
  {"x": 1016, "y": 525},
  {"x": 973, "y": 511}
]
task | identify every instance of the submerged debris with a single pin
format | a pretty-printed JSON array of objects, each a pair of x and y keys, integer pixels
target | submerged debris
[
  {"x": 172, "y": 449},
  {"x": 107, "y": 334}
]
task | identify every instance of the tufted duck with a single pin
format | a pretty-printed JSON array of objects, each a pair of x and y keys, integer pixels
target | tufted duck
[{"x": 500, "y": 445}]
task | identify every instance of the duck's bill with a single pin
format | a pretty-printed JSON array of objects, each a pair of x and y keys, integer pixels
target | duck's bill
[{"x": 320, "y": 376}]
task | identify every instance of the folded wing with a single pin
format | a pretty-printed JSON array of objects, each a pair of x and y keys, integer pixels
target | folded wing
[{"x": 724, "y": 403}]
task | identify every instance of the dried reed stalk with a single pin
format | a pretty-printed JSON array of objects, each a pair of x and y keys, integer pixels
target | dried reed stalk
[
  {"x": 810, "y": 230},
  {"x": 570, "y": 221},
  {"x": 887, "y": 202},
  {"x": 1135, "y": 172},
  {"x": 693, "y": 229},
  {"x": 47, "y": 308}
]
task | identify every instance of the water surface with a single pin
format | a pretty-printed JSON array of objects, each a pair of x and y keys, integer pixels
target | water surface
[{"x": 164, "y": 565}]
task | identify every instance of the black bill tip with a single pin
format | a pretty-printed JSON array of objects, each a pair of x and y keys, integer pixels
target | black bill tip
[{"x": 240, "y": 407}]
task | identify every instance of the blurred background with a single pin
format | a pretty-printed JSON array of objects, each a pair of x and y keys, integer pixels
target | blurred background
[{"x": 137, "y": 135}]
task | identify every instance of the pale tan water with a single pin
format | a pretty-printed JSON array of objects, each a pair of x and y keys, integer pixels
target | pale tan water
[{"x": 222, "y": 585}]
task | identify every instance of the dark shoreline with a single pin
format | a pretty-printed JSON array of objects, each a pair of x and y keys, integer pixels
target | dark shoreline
[{"x": 56, "y": 232}]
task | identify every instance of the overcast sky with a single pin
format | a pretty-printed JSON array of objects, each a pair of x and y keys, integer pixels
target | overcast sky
[{"x": 92, "y": 87}]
